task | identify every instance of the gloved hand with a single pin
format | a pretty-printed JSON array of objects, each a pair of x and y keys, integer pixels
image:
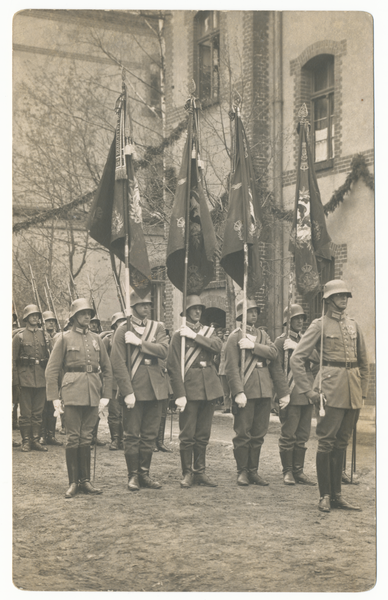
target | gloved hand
[
  {"x": 246, "y": 344},
  {"x": 131, "y": 338},
  {"x": 57, "y": 408},
  {"x": 187, "y": 332},
  {"x": 289, "y": 344},
  {"x": 181, "y": 403},
  {"x": 284, "y": 402},
  {"x": 103, "y": 404},
  {"x": 314, "y": 397},
  {"x": 130, "y": 400},
  {"x": 241, "y": 400}
]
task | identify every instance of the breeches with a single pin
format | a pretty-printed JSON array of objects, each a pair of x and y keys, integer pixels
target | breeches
[
  {"x": 195, "y": 423},
  {"x": 335, "y": 428},
  {"x": 141, "y": 425},
  {"x": 31, "y": 405},
  {"x": 79, "y": 423},
  {"x": 296, "y": 428},
  {"x": 251, "y": 423}
]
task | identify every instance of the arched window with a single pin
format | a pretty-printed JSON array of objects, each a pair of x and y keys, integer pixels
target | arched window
[{"x": 208, "y": 56}]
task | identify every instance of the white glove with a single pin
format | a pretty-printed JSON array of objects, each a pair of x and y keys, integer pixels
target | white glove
[
  {"x": 241, "y": 400},
  {"x": 187, "y": 332},
  {"x": 130, "y": 400},
  {"x": 181, "y": 403},
  {"x": 57, "y": 408},
  {"x": 289, "y": 344},
  {"x": 283, "y": 402},
  {"x": 131, "y": 338},
  {"x": 103, "y": 404},
  {"x": 246, "y": 344}
]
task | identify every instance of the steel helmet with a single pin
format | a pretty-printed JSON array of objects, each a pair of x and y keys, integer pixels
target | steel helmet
[
  {"x": 95, "y": 319},
  {"x": 295, "y": 311},
  {"x": 135, "y": 299},
  {"x": 336, "y": 286},
  {"x": 31, "y": 309},
  {"x": 47, "y": 315},
  {"x": 80, "y": 304},
  {"x": 250, "y": 304},
  {"x": 116, "y": 317},
  {"x": 193, "y": 300}
]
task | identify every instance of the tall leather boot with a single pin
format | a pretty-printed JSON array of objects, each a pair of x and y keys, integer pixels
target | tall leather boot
[
  {"x": 323, "y": 474},
  {"x": 187, "y": 470},
  {"x": 160, "y": 439},
  {"x": 115, "y": 436},
  {"x": 253, "y": 467},
  {"x": 298, "y": 464},
  {"x": 286, "y": 458},
  {"x": 25, "y": 432},
  {"x": 336, "y": 468},
  {"x": 15, "y": 424},
  {"x": 72, "y": 470},
  {"x": 145, "y": 480},
  {"x": 241, "y": 457},
  {"x": 132, "y": 461},
  {"x": 200, "y": 477},
  {"x": 84, "y": 471},
  {"x": 51, "y": 423},
  {"x": 35, "y": 444}
]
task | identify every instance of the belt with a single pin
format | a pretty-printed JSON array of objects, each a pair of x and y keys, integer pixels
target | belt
[
  {"x": 341, "y": 365},
  {"x": 28, "y": 361},
  {"x": 82, "y": 369},
  {"x": 147, "y": 362},
  {"x": 260, "y": 364},
  {"x": 202, "y": 364}
]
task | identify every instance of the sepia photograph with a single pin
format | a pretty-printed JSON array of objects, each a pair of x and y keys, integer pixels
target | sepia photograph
[{"x": 193, "y": 278}]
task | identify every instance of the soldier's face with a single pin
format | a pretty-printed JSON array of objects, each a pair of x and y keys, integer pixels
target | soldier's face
[
  {"x": 93, "y": 326},
  {"x": 83, "y": 317},
  {"x": 297, "y": 323},
  {"x": 252, "y": 315},
  {"x": 33, "y": 319},
  {"x": 142, "y": 310},
  {"x": 340, "y": 301},
  {"x": 194, "y": 313},
  {"x": 50, "y": 324}
]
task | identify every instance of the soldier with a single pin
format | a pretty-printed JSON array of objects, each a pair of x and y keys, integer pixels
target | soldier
[
  {"x": 29, "y": 358},
  {"x": 344, "y": 379},
  {"x": 115, "y": 416},
  {"x": 95, "y": 325},
  {"x": 196, "y": 396},
  {"x": 160, "y": 446},
  {"x": 143, "y": 387},
  {"x": 48, "y": 420},
  {"x": 252, "y": 395},
  {"x": 295, "y": 409},
  {"x": 81, "y": 357}
]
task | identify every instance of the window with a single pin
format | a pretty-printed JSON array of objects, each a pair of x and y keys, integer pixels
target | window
[
  {"x": 208, "y": 57},
  {"x": 322, "y": 101},
  {"x": 157, "y": 292},
  {"x": 326, "y": 273}
]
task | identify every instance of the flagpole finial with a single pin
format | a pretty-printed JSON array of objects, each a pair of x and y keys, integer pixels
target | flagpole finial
[{"x": 303, "y": 113}]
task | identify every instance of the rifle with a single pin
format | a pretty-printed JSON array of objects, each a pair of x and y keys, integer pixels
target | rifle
[
  {"x": 53, "y": 305},
  {"x": 37, "y": 300},
  {"x": 70, "y": 296},
  {"x": 94, "y": 304},
  {"x": 14, "y": 312}
]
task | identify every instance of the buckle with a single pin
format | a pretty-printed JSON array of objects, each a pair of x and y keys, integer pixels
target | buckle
[
  {"x": 203, "y": 363},
  {"x": 147, "y": 362},
  {"x": 89, "y": 369},
  {"x": 259, "y": 365},
  {"x": 37, "y": 361}
]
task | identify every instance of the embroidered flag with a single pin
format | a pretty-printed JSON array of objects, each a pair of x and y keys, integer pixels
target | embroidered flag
[
  {"x": 202, "y": 238},
  {"x": 106, "y": 222},
  {"x": 244, "y": 220},
  {"x": 309, "y": 237}
]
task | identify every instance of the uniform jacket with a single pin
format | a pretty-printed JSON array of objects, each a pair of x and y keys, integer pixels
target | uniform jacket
[
  {"x": 29, "y": 343},
  {"x": 282, "y": 387},
  {"x": 78, "y": 348},
  {"x": 149, "y": 381},
  {"x": 259, "y": 384},
  {"x": 342, "y": 341},
  {"x": 107, "y": 341},
  {"x": 201, "y": 382}
]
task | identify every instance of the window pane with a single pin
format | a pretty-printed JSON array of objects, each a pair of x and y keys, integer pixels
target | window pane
[
  {"x": 205, "y": 67},
  {"x": 320, "y": 129},
  {"x": 215, "y": 82},
  {"x": 320, "y": 78}
]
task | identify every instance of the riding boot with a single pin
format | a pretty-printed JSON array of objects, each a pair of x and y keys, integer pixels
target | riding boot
[
  {"x": 200, "y": 477},
  {"x": 336, "y": 467},
  {"x": 298, "y": 464},
  {"x": 323, "y": 475},
  {"x": 72, "y": 470},
  {"x": 84, "y": 471},
  {"x": 50, "y": 432},
  {"x": 145, "y": 480},
  {"x": 15, "y": 424},
  {"x": 253, "y": 467},
  {"x": 132, "y": 461},
  {"x": 25, "y": 432},
  {"x": 286, "y": 458},
  {"x": 115, "y": 436},
  {"x": 241, "y": 458},
  {"x": 35, "y": 444},
  {"x": 187, "y": 470},
  {"x": 160, "y": 439}
]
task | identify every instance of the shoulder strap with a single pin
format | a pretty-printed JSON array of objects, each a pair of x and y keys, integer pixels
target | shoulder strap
[
  {"x": 250, "y": 364},
  {"x": 137, "y": 355},
  {"x": 193, "y": 352}
]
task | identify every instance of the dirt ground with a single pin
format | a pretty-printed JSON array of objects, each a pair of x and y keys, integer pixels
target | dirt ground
[{"x": 224, "y": 539}]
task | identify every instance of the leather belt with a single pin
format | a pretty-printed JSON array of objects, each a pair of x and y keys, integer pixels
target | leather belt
[
  {"x": 341, "y": 365},
  {"x": 28, "y": 361},
  {"x": 82, "y": 369},
  {"x": 147, "y": 362}
]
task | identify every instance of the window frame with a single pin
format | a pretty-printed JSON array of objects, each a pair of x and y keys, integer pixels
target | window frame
[
  {"x": 328, "y": 94},
  {"x": 213, "y": 34}
]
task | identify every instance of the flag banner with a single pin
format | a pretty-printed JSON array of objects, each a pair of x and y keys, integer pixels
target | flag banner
[
  {"x": 308, "y": 237},
  {"x": 202, "y": 238},
  {"x": 244, "y": 222},
  {"x": 119, "y": 188}
]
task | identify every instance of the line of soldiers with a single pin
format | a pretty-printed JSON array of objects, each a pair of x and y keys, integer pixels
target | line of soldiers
[{"x": 136, "y": 368}]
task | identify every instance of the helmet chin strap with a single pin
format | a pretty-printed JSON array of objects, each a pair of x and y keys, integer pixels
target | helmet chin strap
[{"x": 332, "y": 301}]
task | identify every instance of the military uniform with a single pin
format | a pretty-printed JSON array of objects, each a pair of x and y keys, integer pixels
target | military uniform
[
  {"x": 48, "y": 420},
  {"x": 201, "y": 387},
  {"x": 148, "y": 383},
  {"x": 345, "y": 372}
]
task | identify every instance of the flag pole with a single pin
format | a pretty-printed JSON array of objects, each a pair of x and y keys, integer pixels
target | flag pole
[
  {"x": 187, "y": 231},
  {"x": 127, "y": 149}
]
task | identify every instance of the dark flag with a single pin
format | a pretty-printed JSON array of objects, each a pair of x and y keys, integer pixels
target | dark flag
[
  {"x": 106, "y": 221},
  {"x": 244, "y": 220},
  {"x": 202, "y": 238},
  {"x": 308, "y": 237}
]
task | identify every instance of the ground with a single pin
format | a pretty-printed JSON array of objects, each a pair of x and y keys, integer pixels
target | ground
[{"x": 224, "y": 539}]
